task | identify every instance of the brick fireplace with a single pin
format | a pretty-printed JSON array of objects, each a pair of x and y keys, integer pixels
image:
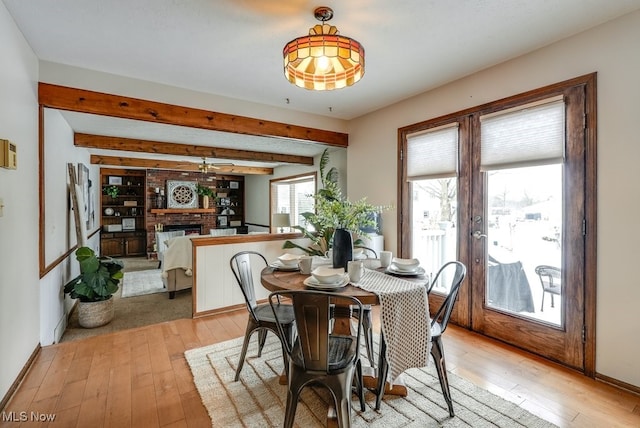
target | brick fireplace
[
  {"x": 190, "y": 222},
  {"x": 189, "y": 229}
]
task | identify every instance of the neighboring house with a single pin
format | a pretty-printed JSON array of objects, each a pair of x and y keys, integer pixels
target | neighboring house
[{"x": 27, "y": 295}]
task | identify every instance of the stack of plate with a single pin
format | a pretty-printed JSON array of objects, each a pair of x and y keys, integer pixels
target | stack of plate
[
  {"x": 286, "y": 262},
  {"x": 312, "y": 282},
  {"x": 326, "y": 278},
  {"x": 406, "y": 267}
]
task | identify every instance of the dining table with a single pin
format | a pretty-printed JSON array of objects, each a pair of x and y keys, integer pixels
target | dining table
[{"x": 403, "y": 310}]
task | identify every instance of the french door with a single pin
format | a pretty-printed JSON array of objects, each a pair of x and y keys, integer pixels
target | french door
[{"x": 503, "y": 188}]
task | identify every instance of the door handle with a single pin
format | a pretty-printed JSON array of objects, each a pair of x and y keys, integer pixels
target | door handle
[{"x": 478, "y": 235}]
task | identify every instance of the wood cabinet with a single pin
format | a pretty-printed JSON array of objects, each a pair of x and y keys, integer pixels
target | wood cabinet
[
  {"x": 120, "y": 244},
  {"x": 123, "y": 210},
  {"x": 229, "y": 201}
]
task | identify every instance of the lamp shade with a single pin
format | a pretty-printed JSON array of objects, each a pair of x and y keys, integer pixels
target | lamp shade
[
  {"x": 323, "y": 60},
  {"x": 280, "y": 220}
]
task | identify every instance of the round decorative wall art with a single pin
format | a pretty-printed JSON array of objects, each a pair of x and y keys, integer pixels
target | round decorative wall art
[{"x": 181, "y": 194}]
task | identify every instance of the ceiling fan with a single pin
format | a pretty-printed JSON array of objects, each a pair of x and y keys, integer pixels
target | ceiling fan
[{"x": 204, "y": 167}]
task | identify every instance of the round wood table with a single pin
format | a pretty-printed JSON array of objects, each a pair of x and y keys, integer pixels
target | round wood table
[{"x": 275, "y": 280}]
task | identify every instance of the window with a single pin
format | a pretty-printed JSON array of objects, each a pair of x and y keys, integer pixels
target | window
[{"x": 293, "y": 195}]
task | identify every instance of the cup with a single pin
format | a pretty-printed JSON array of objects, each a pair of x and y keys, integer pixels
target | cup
[
  {"x": 355, "y": 268},
  {"x": 304, "y": 263},
  {"x": 385, "y": 258}
]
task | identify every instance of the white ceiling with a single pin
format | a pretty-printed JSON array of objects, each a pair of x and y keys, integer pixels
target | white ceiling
[{"x": 233, "y": 48}]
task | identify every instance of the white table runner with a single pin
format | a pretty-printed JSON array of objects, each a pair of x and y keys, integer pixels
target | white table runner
[{"x": 406, "y": 326}]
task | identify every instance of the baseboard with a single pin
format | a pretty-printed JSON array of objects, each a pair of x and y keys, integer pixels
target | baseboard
[
  {"x": 16, "y": 383},
  {"x": 618, "y": 383},
  {"x": 219, "y": 311},
  {"x": 60, "y": 328}
]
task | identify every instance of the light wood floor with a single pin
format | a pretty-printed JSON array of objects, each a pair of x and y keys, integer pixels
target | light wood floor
[{"x": 139, "y": 378}]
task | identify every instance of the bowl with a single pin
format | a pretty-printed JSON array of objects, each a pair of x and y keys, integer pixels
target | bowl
[
  {"x": 289, "y": 260},
  {"x": 358, "y": 254},
  {"x": 405, "y": 265},
  {"x": 327, "y": 275}
]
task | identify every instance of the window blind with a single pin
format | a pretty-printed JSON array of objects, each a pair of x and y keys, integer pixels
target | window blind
[
  {"x": 525, "y": 136},
  {"x": 433, "y": 153}
]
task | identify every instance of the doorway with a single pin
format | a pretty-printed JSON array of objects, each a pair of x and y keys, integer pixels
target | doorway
[{"x": 503, "y": 188}]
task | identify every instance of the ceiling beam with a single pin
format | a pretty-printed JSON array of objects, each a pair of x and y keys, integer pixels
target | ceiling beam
[
  {"x": 158, "y": 147},
  {"x": 176, "y": 165},
  {"x": 83, "y": 101}
]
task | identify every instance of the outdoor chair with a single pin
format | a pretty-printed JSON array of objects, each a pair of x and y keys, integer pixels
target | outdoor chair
[{"x": 551, "y": 281}]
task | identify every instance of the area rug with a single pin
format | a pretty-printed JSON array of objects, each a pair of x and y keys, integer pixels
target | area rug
[
  {"x": 258, "y": 400},
  {"x": 142, "y": 282}
]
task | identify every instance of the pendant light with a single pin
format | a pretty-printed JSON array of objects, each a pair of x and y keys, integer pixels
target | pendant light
[{"x": 323, "y": 60}]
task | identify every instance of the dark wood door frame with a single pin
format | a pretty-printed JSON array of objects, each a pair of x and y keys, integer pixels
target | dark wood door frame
[{"x": 463, "y": 307}]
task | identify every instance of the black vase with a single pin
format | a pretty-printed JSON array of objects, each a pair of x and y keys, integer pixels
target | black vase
[{"x": 342, "y": 248}]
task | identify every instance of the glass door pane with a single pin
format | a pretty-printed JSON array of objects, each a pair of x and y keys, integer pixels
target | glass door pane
[
  {"x": 524, "y": 239},
  {"x": 434, "y": 240}
]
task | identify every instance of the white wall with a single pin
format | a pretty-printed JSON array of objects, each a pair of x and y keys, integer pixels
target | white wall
[
  {"x": 611, "y": 50},
  {"x": 19, "y": 285},
  {"x": 215, "y": 284},
  {"x": 59, "y": 223}
]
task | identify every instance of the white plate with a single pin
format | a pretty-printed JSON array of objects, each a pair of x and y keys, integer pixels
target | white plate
[
  {"x": 418, "y": 271},
  {"x": 279, "y": 266},
  {"x": 311, "y": 282}
]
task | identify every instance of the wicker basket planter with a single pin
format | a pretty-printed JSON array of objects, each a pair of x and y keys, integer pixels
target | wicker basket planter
[{"x": 95, "y": 314}]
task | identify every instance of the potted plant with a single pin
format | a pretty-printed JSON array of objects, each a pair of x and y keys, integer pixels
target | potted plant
[
  {"x": 111, "y": 191},
  {"x": 333, "y": 212},
  {"x": 94, "y": 287},
  {"x": 205, "y": 193}
]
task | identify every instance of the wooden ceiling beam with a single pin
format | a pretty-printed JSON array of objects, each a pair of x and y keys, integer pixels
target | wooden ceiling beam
[
  {"x": 84, "y": 101},
  {"x": 146, "y": 146},
  {"x": 176, "y": 165}
]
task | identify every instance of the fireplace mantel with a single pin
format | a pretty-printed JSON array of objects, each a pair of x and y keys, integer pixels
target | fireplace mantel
[{"x": 163, "y": 211}]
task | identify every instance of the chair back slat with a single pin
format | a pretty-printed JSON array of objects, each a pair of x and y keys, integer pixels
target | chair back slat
[
  {"x": 313, "y": 311},
  {"x": 312, "y": 323},
  {"x": 443, "y": 314}
]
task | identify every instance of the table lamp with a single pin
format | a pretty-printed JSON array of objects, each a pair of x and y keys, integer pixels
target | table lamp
[{"x": 281, "y": 221}]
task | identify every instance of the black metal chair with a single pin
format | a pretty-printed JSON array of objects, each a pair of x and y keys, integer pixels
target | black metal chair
[
  {"x": 261, "y": 317},
  {"x": 551, "y": 281},
  {"x": 439, "y": 323},
  {"x": 317, "y": 355},
  {"x": 367, "y": 320},
  {"x": 369, "y": 253}
]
